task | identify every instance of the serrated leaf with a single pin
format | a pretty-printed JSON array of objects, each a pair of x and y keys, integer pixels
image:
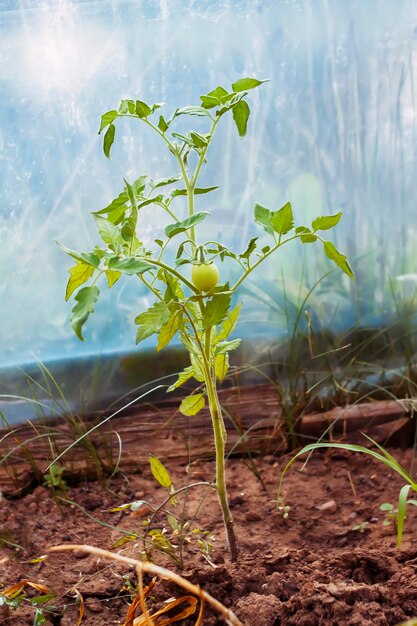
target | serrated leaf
[
  {"x": 263, "y": 218},
  {"x": 302, "y": 229},
  {"x": 249, "y": 248},
  {"x": 340, "y": 259},
  {"x": 179, "y": 227},
  {"x": 129, "y": 265},
  {"x": 325, "y": 222},
  {"x": 229, "y": 323},
  {"x": 241, "y": 112},
  {"x": 112, "y": 277},
  {"x": 109, "y": 139},
  {"x": 109, "y": 233},
  {"x": 142, "y": 109},
  {"x": 192, "y": 404},
  {"x": 79, "y": 274},
  {"x": 221, "y": 366},
  {"x": 185, "y": 375},
  {"x": 152, "y": 320},
  {"x": 282, "y": 221},
  {"x": 86, "y": 300},
  {"x": 168, "y": 331},
  {"x": 226, "y": 346},
  {"x": 216, "y": 310},
  {"x": 243, "y": 84},
  {"x": 160, "y": 472},
  {"x": 197, "y": 191},
  {"x": 107, "y": 118}
]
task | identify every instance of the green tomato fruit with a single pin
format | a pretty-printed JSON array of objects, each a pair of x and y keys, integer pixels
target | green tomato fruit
[{"x": 205, "y": 276}]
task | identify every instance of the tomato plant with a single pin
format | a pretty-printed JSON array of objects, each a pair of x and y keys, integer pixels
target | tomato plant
[{"x": 199, "y": 311}]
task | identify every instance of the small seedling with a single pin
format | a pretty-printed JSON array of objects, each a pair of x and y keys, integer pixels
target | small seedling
[
  {"x": 175, "y": 532},
  {"x": 54, "y": 480},
  {"x": 184, "y": 273},
  {"x": 360, "y": 528},
  {"x": 390, "y": 513}
]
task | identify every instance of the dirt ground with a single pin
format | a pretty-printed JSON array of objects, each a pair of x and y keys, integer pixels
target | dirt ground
[{"x": 331, "y": 562}]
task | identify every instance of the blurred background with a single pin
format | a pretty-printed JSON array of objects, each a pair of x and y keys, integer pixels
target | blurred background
[{"x": 335, "y": 128}]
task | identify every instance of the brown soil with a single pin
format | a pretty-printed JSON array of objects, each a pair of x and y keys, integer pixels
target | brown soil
[{"x": 312, "y": 569}]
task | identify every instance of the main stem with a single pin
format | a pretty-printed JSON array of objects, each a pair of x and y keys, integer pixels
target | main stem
[
  {"x": 210, "y": 375},
  {"x": 220, "y": 446}
]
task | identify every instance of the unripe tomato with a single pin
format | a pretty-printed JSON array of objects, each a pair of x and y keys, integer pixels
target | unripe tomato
[{"x": 205, "y": 276}]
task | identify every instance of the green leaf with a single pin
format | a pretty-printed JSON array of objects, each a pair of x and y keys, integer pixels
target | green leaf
[
  {"x": 79, "y": 274},
  {"x": 162, "y": 125},
  {"x": 168, "y": 331},
  {"x": 155, "y": 199},
  {"x": 86, "y": 299},
  {"x": 197, "y": 191},
  {"x": 180, "y": 227},
  {"x": 129, "y": 265},
  {"x": 229, "y": 324},
  {"x": 241, "y": 112},
  {"x": 185, "y": 375},
  {"x": 308, "y": 238},
  {"x": 115, "y": 205},
  {"x": 164, "y": 181},
  {"x": 197, "y": 366},
  {"x": 192, "y": 404},
  {"x": 160, "y": 472},
  {"x": 213, "y": 98},
  {"x": 184, "y": 138},
  {"x": 109, "y": 233},
  {"x": 249, "y": 248},
  {"x": 282, "y": 221},
  {"x": 263, "y": 218},
  {"x": 339, "y": 258},
  {"x": 325, "y": 222},
  {"x": 152, "y": 320},
  {"x": 225, "y": 346},
  {"x": 127, "y": 106},
  {"x": 221, "y": 366},
  {"x": 112, "y": 277},
  {"x": 107, "y": 118},
  {"x": 192, "y": 110},
  {"x": 402, "y": 512},
  {"x": 142, "y": 109},
  {"x": 199, "y": 140},
  {"x": 243, "y": 84},
  {"x": 216, "y": 310},
  {"x": 108, "y": 140},
  {"x": 85, "y": 257}
]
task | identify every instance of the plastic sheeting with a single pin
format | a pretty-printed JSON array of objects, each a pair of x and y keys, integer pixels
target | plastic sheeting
[{"x": 334, "y": 129}]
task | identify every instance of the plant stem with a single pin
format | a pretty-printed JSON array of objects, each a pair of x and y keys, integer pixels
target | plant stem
[
  {"x": 220, "y": 446},
  {"x": 219, "y": 433}
]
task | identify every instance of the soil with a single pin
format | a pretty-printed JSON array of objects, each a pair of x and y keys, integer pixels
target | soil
[{"x": 331, "y": 562}]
